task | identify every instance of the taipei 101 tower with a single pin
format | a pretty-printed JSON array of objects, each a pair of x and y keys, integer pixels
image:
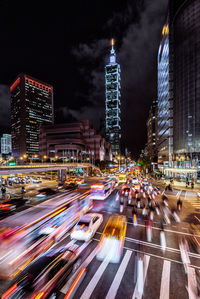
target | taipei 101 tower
[{"x": 113, "y": 104}]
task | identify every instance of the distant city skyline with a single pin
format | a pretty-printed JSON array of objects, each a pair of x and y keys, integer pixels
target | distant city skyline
[{"x": 70, "y": 53}]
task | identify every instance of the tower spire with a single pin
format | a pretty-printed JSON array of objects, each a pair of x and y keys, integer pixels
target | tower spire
[
  {"x": 112, "y": 46},
  {"x": 112, "y": 52}
]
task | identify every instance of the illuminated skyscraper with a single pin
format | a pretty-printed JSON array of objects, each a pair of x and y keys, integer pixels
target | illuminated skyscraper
[
  {"x": 6, "y": 144},
  {"x": 113, "y": 95},
  {"x": 165, "y": 100},
  {"x": 31, "y": 107}
]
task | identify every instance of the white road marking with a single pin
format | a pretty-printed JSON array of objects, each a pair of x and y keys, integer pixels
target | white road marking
[
  {"x": 197, "y": 218},
  {"x": 82, "y": 247},
  {"x": 166, "y": 230},
  {"x": 154, "y": 255},
  {"x": 192, "y": 283},
  {"x": 157, "y": 246},
  {"x": 165, "y": 280},
  {"x": 178, "y": 193},
  {"x": 136, "y": 294},
  {"x": 94, "y": 281},
  {"x": 118, "y": 277},
  {"x": 185, "y": 195}
]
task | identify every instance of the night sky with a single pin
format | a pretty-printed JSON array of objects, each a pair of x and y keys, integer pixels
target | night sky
[{"x": 68, "y": 46}]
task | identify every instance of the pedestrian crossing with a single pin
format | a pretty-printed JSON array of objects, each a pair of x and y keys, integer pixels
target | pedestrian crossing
[
  {"x": 135, "y": 277},
  {"x": 191, "y": 197}
]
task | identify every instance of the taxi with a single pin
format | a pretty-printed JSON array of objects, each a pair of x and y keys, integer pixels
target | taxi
[{"x": 112, "y": 240}]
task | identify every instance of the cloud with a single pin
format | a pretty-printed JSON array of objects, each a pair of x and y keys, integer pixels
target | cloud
[
  {"x": 137, "y": 53},
  {"x": 5, "y": 106}
]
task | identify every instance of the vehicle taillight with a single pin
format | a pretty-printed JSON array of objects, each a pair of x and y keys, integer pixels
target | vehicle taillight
[
  {"x": 38, "y": 296},
  {"x": 9, "y": 292},
  {"x": 74, "y": 285}
]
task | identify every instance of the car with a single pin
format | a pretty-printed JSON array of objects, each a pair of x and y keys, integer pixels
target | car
[
  {"x": 15, "y": 200},
  {"x": 6, "y": 208},
  {"x": 46, "y": 275},
  {"x": 126, "y": 191},
  {"x": 36, "y": 181},
  {"x": 71, "y": 186},
  {"x": 134, "y": 180},
  {"x": 86, "y": 227},
  {"x": 112, "y": 240},
  {"x": 46, "y": 192},
  {"x": 136, "y": 187}
]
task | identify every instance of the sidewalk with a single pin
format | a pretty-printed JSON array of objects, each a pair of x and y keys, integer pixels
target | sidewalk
[{"x": 178, "y": 185}]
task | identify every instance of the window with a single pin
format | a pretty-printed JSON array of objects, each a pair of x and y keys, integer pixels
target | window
[{"x": 95, "y": 219}]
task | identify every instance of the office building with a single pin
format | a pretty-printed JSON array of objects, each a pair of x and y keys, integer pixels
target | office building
[
  {"x": 113, "y": 104},
  {"x": 6, "y": 144},
  {"x": 31, "y": 107},
  {"x": 165, "y": 99},
  {"x": 185, "y": 23},
  {"x": 74, "y": 142},
  {"x": 152, "y": 132}
]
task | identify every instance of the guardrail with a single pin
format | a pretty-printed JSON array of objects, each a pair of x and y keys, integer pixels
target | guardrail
[{"x": 43, "y": 167}]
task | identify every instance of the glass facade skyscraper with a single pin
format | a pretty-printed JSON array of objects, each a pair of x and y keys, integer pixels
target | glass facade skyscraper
[
  {"x": 185, "y": 19},
  {"x": 113, "y": 104},
  {"x": 6, "y": 144},
  {"x": 31, "y": 106},
  {"x": 165, "y": 104}
]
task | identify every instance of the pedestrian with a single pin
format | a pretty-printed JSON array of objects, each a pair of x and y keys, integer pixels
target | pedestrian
[{"x": 192, "y": 185}]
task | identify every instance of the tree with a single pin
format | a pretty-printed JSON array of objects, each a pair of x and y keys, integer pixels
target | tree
[{"x": 144, "y": 163}]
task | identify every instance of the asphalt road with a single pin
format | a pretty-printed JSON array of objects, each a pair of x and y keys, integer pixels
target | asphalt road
[{"x": 164, "y": 275}]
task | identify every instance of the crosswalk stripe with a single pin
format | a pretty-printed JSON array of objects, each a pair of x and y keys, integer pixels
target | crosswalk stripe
[
  {"x": 80, "y": 249},
  {"x": 192, "y": 283},
  {"x": 93, "y": 282},
  {"x": 84, "y": 264},
  {"x": 165, "y": 280},
  {"x": 119, "y": 275},
  {"x": 136, "y": 294}
]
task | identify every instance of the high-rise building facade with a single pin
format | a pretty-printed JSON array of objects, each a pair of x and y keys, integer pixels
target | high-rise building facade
[
  {"x": 165, "y": 100},
  {"x": 152, "y": 132},
  {"x": 185, "y": 23},
  {"x": 6, "y": 144},
  {"x": 113, "y": 103},
  {"x": 31, "y": 107}
]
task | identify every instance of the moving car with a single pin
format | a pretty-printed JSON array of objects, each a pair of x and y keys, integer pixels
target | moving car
[
  {"x": 46, "y": 192},
  {"x": 134, "y": 180},
  {"x": 126, "y": 191},
  {"x": 136, "y": 187},
  {"x": 112, "y": 240},
  {"x": 5, "y": 208},
  {"x": 87, "y": 226},
  {"x": 46, "y": 275}
]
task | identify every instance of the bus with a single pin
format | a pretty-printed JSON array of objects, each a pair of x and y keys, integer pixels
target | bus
[
  {"x": 122, "y": 178},
  {"x": 24, "y": 238},
  {"x": 101, "y": 190}
]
